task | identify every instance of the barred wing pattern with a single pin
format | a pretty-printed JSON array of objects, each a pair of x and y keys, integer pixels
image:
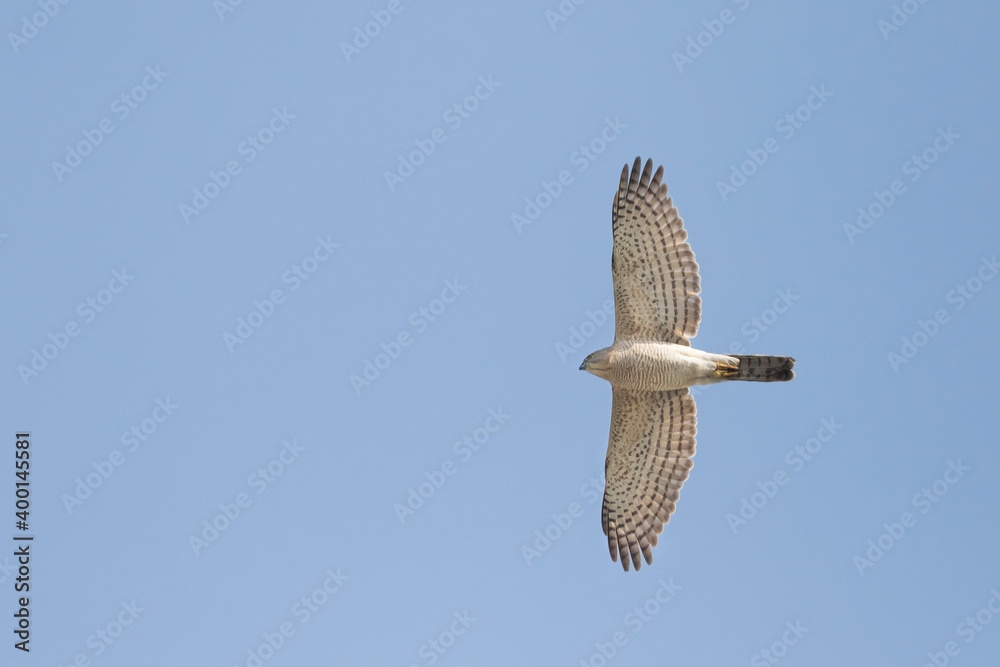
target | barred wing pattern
[
  {"x": 655, "y": 274},
  {"x": 650, "y": 449}
]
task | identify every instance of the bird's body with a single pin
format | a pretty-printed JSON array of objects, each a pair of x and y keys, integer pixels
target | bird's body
[
  {"x": 651, "y": 364},
  {"x": 647, "y": 365}
]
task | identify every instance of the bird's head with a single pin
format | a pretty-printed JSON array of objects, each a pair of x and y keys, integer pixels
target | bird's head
[{"x": 598, "y": 363}]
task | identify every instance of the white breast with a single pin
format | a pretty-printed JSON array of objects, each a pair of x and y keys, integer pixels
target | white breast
[{"x": 655, "y": 366}]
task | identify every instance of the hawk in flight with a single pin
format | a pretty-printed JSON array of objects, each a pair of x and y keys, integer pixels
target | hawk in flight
[{"x": 651, "y": 364}]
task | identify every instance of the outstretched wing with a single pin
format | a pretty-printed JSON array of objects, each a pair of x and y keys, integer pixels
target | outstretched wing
[
  {"x": 649, "y": 457},
  {"x": 654, "y": 270}
]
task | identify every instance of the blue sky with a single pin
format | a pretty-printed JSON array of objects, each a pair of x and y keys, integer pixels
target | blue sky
[{"x": 294, "y": 315}]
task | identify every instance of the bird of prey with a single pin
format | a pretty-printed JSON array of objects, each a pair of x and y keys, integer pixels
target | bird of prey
[{"x": 651, "y": 365}]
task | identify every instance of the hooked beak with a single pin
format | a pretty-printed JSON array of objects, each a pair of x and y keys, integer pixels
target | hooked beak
[{"x": 583, "y": 366}]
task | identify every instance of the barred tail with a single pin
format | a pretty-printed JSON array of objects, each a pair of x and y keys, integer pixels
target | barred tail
[{"x": 762, "y": 368}]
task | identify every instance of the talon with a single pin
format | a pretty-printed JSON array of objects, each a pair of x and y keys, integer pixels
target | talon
[{"x": 725, "y": 371}]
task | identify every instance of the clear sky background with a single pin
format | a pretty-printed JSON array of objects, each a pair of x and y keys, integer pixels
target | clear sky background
[{"x": 250, "y": 155}]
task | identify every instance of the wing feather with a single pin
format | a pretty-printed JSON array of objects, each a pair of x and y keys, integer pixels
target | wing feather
[
  {"x": 650, "y": 452},
  {"x": 655, "y": 274}
]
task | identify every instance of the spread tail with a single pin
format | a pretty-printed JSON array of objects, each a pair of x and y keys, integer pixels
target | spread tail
[{"x": 758, "y": 368}]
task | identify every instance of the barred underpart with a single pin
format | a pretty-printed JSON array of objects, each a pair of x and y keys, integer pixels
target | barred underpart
[
  {"x": 650, "y": 449},
  {"x": 655, "y": 274},
  {"x": 651, "y": 363},
  {"x": 763, "y": 368}
]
